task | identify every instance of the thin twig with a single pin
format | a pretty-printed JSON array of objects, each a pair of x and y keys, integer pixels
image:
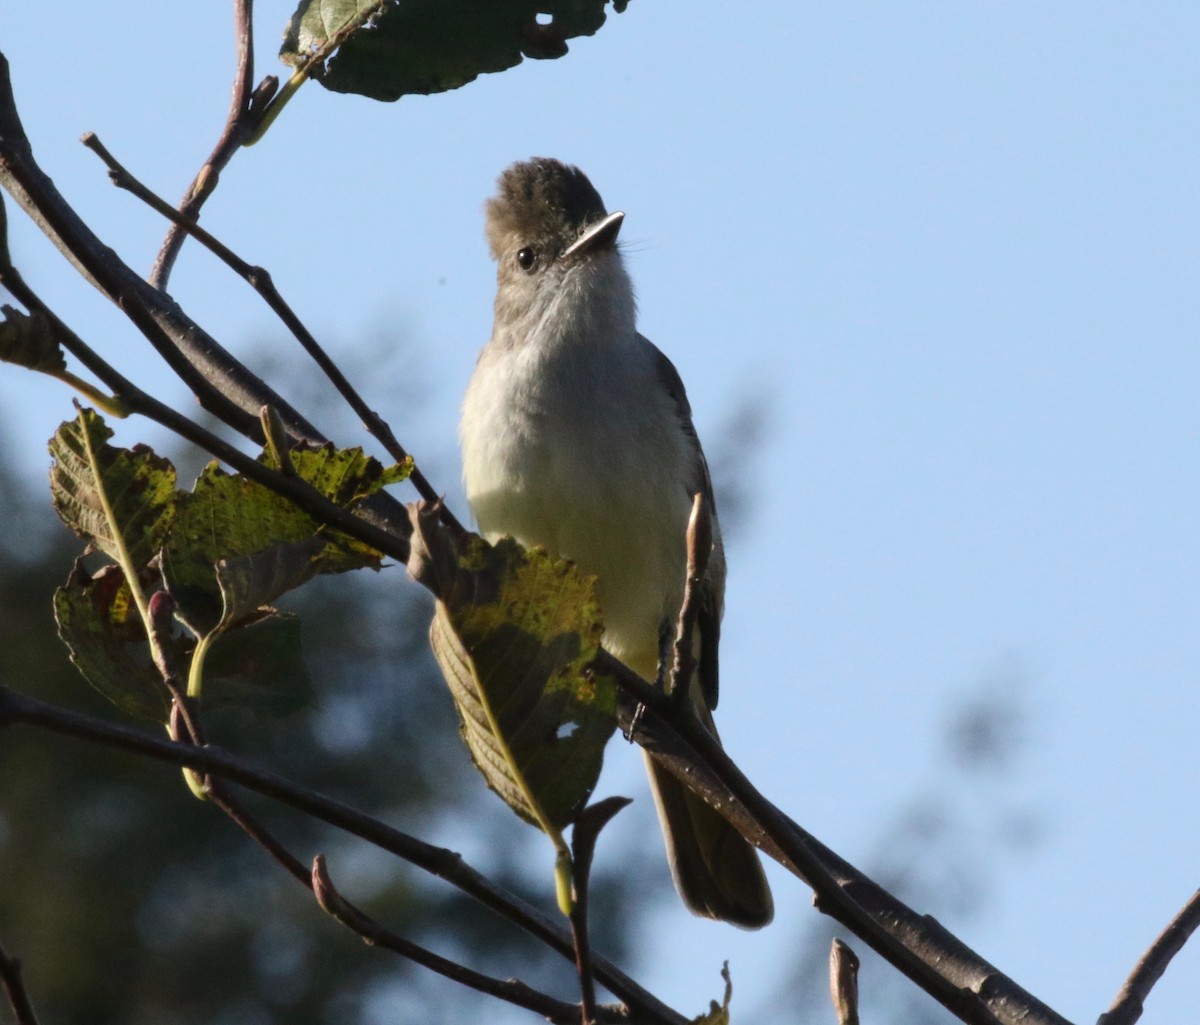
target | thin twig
[
  {"x": 218, "y": 793},
  {"x": 511, "y": 990},
  {"x": 14, "y": 988},
  {"x": 699, "y": 548},
  {"x": 1128, "y": 1006},
  {"x": 843, "y": 982},
  {"x": 445, "y": 864},
  {"x": 260, "y": 280},
  {"x": 238, "y": 124},
  {"x": 584, "y": 835},
  {"x": 372, "y": 932}
]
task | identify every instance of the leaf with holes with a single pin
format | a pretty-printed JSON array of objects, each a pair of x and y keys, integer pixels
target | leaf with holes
[
  {"x": 386, "y": 49},
  {"x": 121, "y": 500},
  {"x": 516, "y": 635}
]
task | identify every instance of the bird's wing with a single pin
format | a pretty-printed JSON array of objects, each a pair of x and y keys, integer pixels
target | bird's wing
[{"x": 712, "y": 596}]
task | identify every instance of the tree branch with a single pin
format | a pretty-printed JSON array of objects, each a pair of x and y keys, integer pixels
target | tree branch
[
  {"x": 393, "y": 543},
  {"x": 917, "y": 945},
  {"x": 318, "y": 883},
  {"x": 14, "y": 988},
  {"x": 373, "y": 933},
  {"x": 1128, "y": 1006}
]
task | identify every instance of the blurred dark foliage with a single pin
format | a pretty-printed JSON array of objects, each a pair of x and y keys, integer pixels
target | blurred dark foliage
[{"x": 130, "y": 901}]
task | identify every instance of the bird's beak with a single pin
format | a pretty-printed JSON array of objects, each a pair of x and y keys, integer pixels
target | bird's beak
[{"x": 601, "y": 235}]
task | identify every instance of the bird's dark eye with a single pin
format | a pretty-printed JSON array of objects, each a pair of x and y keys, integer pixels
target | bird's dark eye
[{"x": 527, "y": 257}]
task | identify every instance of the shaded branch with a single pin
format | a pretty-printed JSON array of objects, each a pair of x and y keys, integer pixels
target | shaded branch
[
  {"x": 1128, "y": 1006},
  {"x": 317, "y": 882},
  {"x": 373, "y": 933},
  {"x": 135, "y": 400},
  {"x": 14, "y": 988}
]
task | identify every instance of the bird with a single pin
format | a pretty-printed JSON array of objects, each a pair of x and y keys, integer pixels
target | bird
[{"x": 577, "y": 436}]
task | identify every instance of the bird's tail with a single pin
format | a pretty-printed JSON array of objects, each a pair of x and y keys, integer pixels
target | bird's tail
[{"x": 716, "y": 870}]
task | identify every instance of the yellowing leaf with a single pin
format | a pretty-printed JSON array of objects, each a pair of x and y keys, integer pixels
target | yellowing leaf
[
  {"x": 121, "y": 500},
  {"x": 515, "y": 636}
]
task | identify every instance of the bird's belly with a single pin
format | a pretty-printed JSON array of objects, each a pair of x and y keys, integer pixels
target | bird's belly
[{"x": 593, "y": 506}]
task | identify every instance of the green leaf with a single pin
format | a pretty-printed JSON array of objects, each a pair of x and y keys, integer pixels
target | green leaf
[
  {"x": 223, "y": 517},
  {"x": 30, "y": 341},
  {"x": 248, "y": 582},
  {"x": 229, "y": 517},
  {"x": 120, "y": 500},
  {"x": 259, "y": 667},
  {"x": 343, "y": 475},
  {"x": 515, "y": 635},
  {"x": 99, "y": 623},
  {"x": 386, "y": 49}
]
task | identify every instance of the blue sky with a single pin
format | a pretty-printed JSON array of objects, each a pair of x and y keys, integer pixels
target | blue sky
[{"x": 951, "y": 250}]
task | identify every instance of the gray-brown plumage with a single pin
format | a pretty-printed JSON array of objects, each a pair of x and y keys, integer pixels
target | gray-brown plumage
[{"x": 577, "y": 436}]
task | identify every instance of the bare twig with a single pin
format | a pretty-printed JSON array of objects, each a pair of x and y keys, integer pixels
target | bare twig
[
  {"x": 699, "y": 548},
  {"x": 185, "y": 728},
  {"x": 447, "y": 865},
  {"x": 587, "y": 828},
  {"x": 260, "y": 280},
  {"x": 244, "y": 106},
  {"x": 14, "y": 988},
  {"x": 1128, "y": 1006},
  {"x": 843, "y": 982}
]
